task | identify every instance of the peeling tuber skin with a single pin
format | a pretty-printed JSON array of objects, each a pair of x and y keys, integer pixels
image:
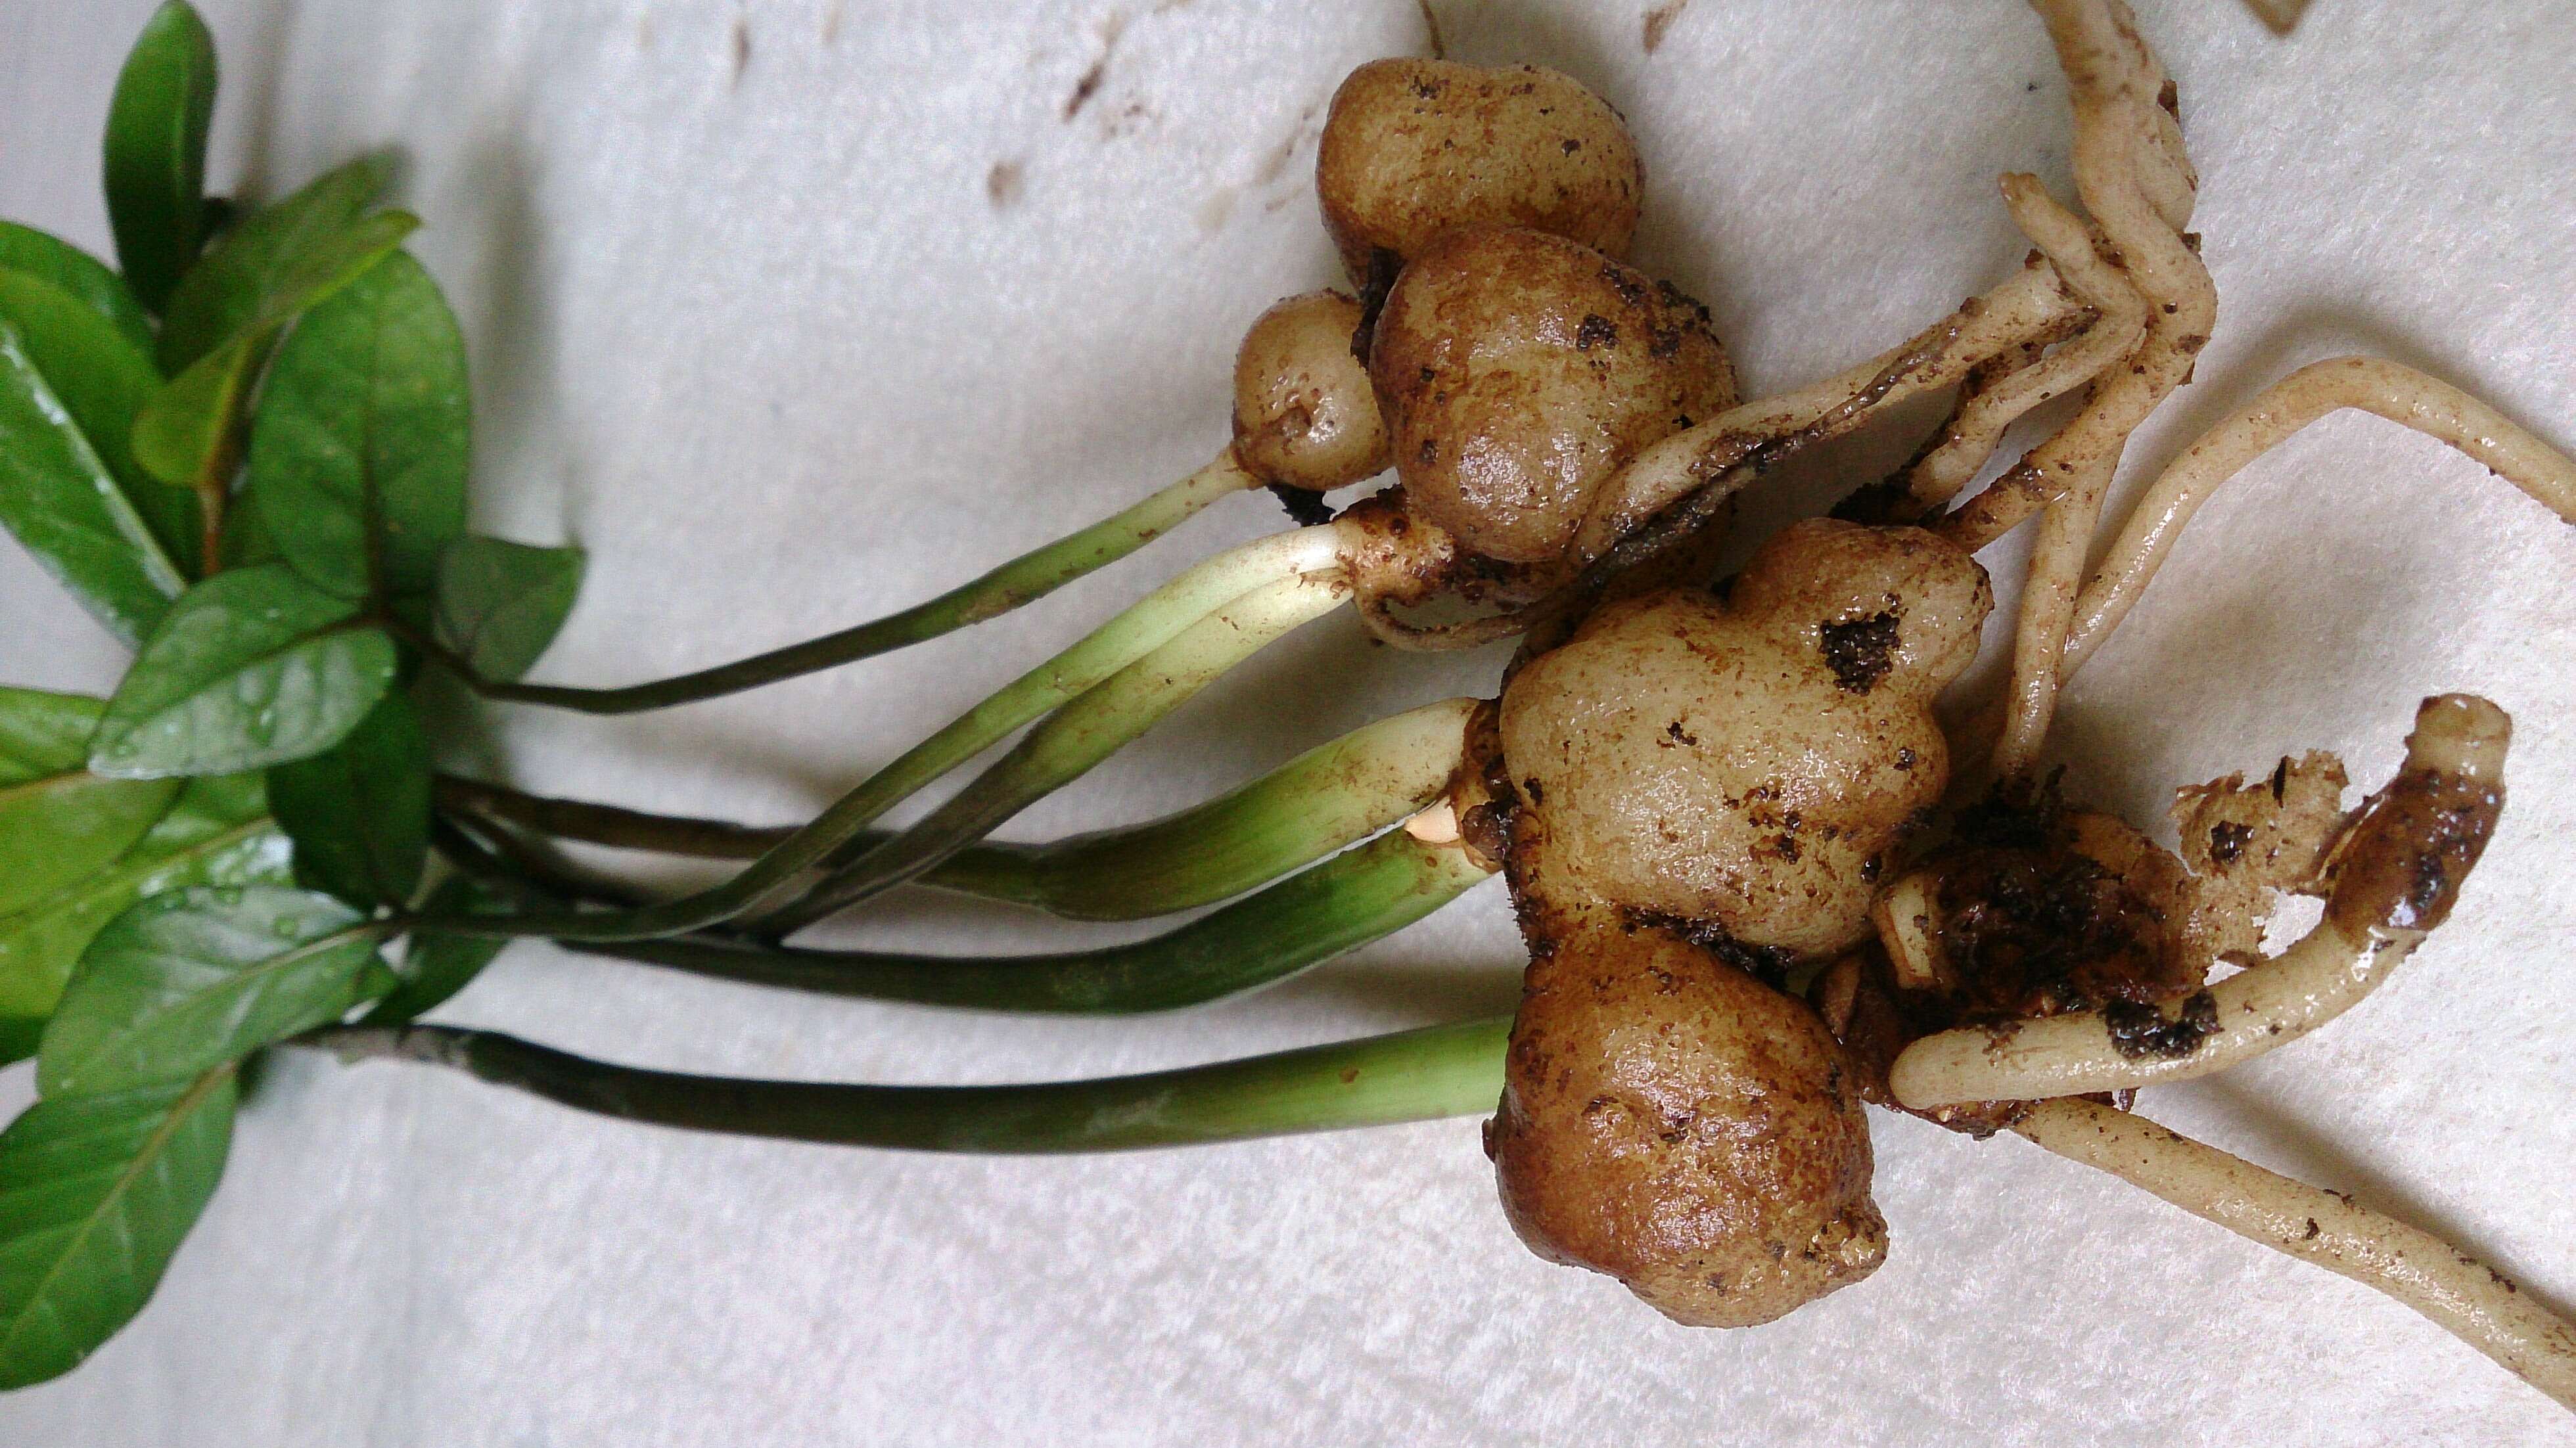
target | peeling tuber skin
[
  {"x": 2391, "y": 878},
  {"x": 1412, "y": 148}
]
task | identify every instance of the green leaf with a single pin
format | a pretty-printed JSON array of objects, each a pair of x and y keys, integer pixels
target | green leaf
[
  {"x": 188, "y": 430},
  {"x": 103, "y": 380},
  {"x": 436, "y": 967},
  {"x": 64, "y": 504},
  {"x": 358, "y": 457},
  {"x": 245, "y": 544},
  {"x": 156, "y": 150},
  {"x": 56, "y": 831},
  {"x": 42, "y": 734},
  {"x": 217, "y": 833},
  {"x": 191, "y": 979},
  {"x": 59, "y": 824},
  {"x": 359, "y": 811},
  {"x": 85, "y": 277},
  {"x": 19, "y": 1037},
  {"x": 264, "y": 270},
  {"x": 253, "y": 667},
  {"x": 96, "y": 1193},
  {"x": 501, "y": 603}
]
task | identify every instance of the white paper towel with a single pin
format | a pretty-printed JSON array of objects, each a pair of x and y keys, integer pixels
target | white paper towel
[{"x": 792, "y": 311}]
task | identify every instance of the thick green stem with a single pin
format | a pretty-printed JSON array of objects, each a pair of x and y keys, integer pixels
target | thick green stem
[
  {"x": 1024, "y": 579},
  {"x": 1110, "y": 648},
  {"x": 1287, "y": 819},
  {"x": 1071, "y": 741},
  {"x": 1344, "y": 903},
  {"x": 1454, "y": 1070},
  {"x": 1298, "y": 813}
]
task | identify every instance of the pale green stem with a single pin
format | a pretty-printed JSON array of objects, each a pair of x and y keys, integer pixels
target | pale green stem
[
  {"x": 1151, "y": 623},
  {"x": 1024, "y": 579},
  {"x": 1073, "y": 739}
]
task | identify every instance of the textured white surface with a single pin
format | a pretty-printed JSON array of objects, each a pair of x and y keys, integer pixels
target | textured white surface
[{"x": 795, "y": 310}]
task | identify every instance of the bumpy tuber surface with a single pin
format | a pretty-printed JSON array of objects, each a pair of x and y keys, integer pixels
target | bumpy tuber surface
[
  {"x": 1672, "y": 1121},
  {"x": 1412, "y": 148},
  {"x": 1746, "y": 764},
  {"x": 1517, "y": 370},
  {"x": 1707, "y": 790}
]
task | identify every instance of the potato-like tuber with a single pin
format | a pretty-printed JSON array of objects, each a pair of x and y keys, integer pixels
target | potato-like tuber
[
  {"x": 1673, "y": 1122},
  {"x": 1516, "y": 370},
  {"x": 1747, "y": 764},
  {"x": 1708, "y": 790},
  {"x": 1303, "y": 413},
  {"x": 1412, "y": 148}
]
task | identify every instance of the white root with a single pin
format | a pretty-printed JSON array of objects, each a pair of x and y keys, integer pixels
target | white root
[
  {"x": 1436, "y": 824},
  {"x": 2465, "y": 1297},
  {"x": 2367, "y": 384},
  {"x": 2114, "y": 87}
]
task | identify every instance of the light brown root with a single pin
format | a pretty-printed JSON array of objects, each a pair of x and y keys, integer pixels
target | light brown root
[
  {"x": 2165, "y": 172},
  {"x": 1715, "y": 454},
  {"x": 2465, "y": 1297},
  {"x": 2138, "y": 184},
  {"x": 2135, "y": 179},
  {"x": 2047, "y": 606},
  {"x": 2114, "y": 86},
  {"x": 1968, "y": 437},
  {"x": 1986, "y": 410},
  {"x": 1646, "y": 517},
  {"x": 2394, "y": 875},
  {"x": 2367, "y": 384},
  {"x": 2364, "y": 384}
]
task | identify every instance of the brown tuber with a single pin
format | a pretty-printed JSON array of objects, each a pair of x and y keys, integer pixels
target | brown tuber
[
  {"x": 1517, "y": 370},
  {"x": 1303, "y": 413},
  {"x": 1412, "y": 148},
  {"x": 1748, "y": 764},
  {"x": 1708, "y": 792},
  {"x": 1675, "y": 1123}
]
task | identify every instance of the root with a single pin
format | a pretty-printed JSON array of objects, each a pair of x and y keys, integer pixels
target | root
[
  {"x": 2395, "y": 873},
  {"x": 1985, "y": 412},
  {"x": 1725, "y": 452},
  {"x": 2114, "y": 88},
  {"x": 2466, "y": 1298},
  {"x": 2367, "y": 384}
]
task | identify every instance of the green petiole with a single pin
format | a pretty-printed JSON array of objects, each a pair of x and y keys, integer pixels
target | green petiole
[
  {"x": 1287, "y": 819},
  {"x": 1071, "y": 741},
  {"x": 1344, "y": 903},
  {"x": 1122, "y": 641},
  {"x": 1421, "y": 1075},
  {"x": 1298, "y": 813},
  {"x": 1025, "y": 579}
]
